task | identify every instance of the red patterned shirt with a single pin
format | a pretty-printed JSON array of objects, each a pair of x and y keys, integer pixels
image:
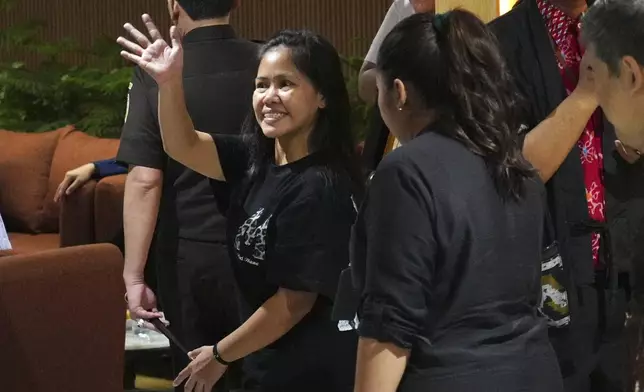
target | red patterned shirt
[{"x": 564, "y": 32}]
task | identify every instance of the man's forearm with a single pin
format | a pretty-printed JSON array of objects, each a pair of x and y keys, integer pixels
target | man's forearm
[
  {"x": 547, "y": 145},
  {"x": 141, "y": 206},
  {"x": 380, "y": 366}
]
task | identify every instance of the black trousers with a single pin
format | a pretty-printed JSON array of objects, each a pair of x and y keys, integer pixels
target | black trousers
[
  {"x": 592, "y": 350},
  {"x": 197, "y": 291}
]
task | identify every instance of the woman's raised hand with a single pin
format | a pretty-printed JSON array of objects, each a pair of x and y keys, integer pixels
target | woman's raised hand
[{"x": 160, "y": 60}]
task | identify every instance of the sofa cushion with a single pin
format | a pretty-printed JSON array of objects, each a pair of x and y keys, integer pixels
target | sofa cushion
[
  {"x": 24, "y": 174},
  {"x": 22, "y": 243},
  {"x": 74, "y": 149}
]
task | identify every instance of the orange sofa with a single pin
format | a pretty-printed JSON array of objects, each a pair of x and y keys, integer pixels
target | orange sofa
[
  {"x": 62, "y": 325},
  {"x": 31, "y": 167}
]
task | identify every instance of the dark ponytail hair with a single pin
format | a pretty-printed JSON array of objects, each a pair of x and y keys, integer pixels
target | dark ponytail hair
[
  {"x": 454, "y": 63},
  {"x": 317, "y": 59}
]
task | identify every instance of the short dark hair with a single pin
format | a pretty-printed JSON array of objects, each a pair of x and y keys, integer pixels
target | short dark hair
[
  {"x": 454, "y": 62},
  {"x": 206, "y": 9},
  {"x": 615, "y": 28}
]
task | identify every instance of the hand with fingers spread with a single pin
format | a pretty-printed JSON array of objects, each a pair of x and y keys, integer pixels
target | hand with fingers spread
[
  {"x": 160, "y": 60},
  {"x": 202, "y": 373},
  {"x": 74, "y": 179}
]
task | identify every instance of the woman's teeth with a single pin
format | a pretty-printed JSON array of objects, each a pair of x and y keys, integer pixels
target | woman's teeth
[{"x": 273, "y": 116}]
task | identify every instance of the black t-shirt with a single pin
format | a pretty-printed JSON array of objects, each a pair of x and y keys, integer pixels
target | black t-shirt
[
  {"x": 452, "y": 272},
  {"x": 290, "y": 227},
  {"x": 218, "y": 77}
]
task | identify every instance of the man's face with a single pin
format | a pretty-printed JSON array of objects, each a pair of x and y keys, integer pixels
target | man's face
[{"x": 621, "y": 97}]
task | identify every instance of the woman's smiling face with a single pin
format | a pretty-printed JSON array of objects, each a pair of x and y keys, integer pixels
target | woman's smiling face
[{"x": 285, "y": 101}]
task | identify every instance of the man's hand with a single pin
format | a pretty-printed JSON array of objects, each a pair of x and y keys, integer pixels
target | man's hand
[
  {"x": 73, "y": 180},
  {"x": 630, "y": 155},
  {"x": 142, "y": 302},
  {"x": 586, "y": 84}
]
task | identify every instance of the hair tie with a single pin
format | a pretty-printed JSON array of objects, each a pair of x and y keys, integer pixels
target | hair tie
[{"x": 440, "y": 21}]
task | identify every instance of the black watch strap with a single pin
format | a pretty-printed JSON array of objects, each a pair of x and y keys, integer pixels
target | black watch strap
[{"x": 218, "y": 358}]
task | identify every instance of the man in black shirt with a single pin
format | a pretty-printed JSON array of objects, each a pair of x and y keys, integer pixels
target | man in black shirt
[
  {"x": 595, "y": 187},
  {"x": 195, "y": 282}
]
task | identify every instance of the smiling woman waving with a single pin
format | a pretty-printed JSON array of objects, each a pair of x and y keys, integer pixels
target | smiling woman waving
[{"x": 293, "y": 177}]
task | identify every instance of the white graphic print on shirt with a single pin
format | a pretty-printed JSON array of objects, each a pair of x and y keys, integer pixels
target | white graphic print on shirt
[{"x": 252, "y": 235}]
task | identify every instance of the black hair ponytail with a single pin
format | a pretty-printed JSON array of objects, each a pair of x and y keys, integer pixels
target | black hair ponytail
[{"x": 460, "y": 73}]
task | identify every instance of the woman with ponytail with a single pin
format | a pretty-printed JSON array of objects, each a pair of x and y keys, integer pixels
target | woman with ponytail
[{"x": 447, "y": 245}]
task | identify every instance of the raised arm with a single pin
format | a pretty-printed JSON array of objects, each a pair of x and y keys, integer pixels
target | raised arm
[
  {"x": 181, "y": 141},
  {"x": 164, "y": 63},
  {"x": 549, "y": 143}
]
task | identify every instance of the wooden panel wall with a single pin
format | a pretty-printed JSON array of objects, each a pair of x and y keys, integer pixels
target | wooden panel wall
[{"x": 349, "y": 24}]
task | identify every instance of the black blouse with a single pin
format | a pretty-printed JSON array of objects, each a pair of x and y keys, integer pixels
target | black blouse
[
  {"x": 450, "y": 271},
  {"x": 290, "y": 228}
]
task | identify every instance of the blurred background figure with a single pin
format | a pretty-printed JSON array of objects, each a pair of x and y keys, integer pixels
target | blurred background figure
[{"x": 399, "y": 10}]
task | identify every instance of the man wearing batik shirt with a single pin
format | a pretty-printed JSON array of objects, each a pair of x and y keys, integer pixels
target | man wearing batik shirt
[{"x": 595, "y": 187}]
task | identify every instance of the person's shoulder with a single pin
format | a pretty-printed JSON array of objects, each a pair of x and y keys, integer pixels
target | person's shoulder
[
  {"x": 321, "y": 185},
  {"x": 250, "y": 45},
  {"x": 429, "y": 145},
  {"x": 403, "y": 8},
  {"x": 427, "y": 156},
  {"x": 403, "y": 161},
  {"x": 509, "y": 23}
]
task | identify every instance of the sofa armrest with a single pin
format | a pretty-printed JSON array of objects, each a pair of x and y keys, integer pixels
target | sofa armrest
[
  {"x": 62, "y": 318},
  {"x": 77, "y": 217},
  {"x": 108, "y": 208}
]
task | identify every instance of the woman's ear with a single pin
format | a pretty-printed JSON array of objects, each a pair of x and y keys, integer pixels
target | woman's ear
[
  {"x": 401, "y": 93},
  {"x": 321, "y": 101}
]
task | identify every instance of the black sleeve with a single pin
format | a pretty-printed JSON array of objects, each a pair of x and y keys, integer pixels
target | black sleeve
[
  {"x": 141, "y": 143},
  {"x": 400, "y": 255},
  {"x": 311, "y": 241},
  {"x": 234, "y": 157}
]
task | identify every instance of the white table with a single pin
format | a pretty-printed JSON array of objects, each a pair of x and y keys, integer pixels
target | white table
[
  {"x": 150, "y": 340},
  {"x": 141, "y": 346}
]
